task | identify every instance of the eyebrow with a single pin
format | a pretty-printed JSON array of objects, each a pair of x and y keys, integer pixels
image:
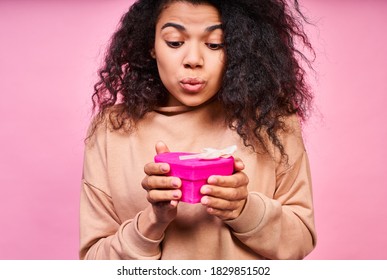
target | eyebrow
[{"x": 182, "y": 28}]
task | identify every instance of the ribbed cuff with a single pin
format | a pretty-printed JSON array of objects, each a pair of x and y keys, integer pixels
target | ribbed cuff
[{"x": 139, "y": 243}]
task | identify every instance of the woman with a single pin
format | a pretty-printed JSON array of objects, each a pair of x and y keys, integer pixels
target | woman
[{"x": 182, "y": 76}]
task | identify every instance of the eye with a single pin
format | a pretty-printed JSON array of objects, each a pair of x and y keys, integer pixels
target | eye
[
  {"x": 174, "y": 44},
  {"x": 213, "y": 46}
]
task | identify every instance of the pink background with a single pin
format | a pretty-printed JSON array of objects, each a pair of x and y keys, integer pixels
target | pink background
[{"x": 49, "y": 54}]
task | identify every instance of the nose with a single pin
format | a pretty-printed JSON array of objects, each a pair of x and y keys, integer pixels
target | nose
[{"x": 193, "y": 58}]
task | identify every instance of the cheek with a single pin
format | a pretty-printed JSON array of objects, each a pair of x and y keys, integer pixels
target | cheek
[
  {"x": 219, "y": 66},
  {"x": 162, "y": 64},
  {"x": 166, "y": 62},
  {"x": 166, "y": 72},
  {"x": 165, "y": 67}
]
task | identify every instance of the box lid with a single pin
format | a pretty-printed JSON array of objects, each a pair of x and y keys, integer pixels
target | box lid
[{"x": 196, "y": 169}]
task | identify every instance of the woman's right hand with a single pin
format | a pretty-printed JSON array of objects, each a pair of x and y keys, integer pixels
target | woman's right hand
[{"x": 163, "y": 196}]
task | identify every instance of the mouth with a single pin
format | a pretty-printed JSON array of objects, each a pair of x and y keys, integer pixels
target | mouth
[{"x": 192, "y": 84}]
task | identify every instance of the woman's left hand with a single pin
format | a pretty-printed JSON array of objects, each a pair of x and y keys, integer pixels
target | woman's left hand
[{"x": 225, "y": 196}]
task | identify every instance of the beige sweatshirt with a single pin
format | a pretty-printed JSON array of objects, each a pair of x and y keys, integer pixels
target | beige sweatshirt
[{"x": 276, "y": 223}]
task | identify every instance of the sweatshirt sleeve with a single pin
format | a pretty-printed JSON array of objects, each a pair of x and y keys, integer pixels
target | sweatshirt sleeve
[
  {"x": 102, "y": 234},
  {"x": 282, "y": 226}
]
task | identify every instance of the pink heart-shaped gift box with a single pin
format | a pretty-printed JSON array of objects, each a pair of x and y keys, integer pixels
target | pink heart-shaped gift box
[{"x": 194, "y": 172}]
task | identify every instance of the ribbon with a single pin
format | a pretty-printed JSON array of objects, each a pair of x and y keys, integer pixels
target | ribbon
[{"x": 211, "y": 153}]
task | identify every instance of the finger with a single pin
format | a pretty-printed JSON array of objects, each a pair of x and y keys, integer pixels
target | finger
[
  {"x": 165, "y": 205},
  {"x": 153, "y": 168},
  {"x": 229, "y": 194},
  {"x": 233, "y": 181},
  {"x": 221, "y": 204},
  {"x": 156, "y": 196},
  {"x": 223, "y": 214},
  {"x": 174, "y": 203},
  {"x": 238, "y": 164},
  {"x": 161, "y": 147},
  {"x": 160, "y": 182},
  {"x": 223, "y": 209}
]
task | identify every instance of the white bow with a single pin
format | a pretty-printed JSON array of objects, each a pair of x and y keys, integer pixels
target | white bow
[{"x": 211, "y": 153}]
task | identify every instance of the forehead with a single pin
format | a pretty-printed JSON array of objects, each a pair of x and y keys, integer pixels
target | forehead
[{"x": 189, "y": 14}]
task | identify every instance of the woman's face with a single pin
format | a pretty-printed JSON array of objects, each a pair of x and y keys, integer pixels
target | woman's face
[{"x": 189, "y": 52}]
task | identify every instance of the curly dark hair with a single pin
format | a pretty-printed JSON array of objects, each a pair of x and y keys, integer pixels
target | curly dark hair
[{"x": 263, "y": 83}]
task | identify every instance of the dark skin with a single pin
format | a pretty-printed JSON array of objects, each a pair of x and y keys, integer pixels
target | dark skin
[
  {"x": 189, "y": 48},
  {"x": 223, "y": 196}
]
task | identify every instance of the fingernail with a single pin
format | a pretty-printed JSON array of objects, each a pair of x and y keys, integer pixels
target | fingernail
[
  {"x": 241, "y": 165},
  {"x": 204, "y": 200},
  {"x": 212, "y": 180},
  {"x": 205, "y": 190},
  {"x": 175, "y": 183},
  {"x": 164, "y": 168},
  {"x": 176, "y": 194},
  {"x": 174, "y": 203}
]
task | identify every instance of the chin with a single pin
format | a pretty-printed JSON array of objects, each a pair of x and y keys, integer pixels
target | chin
[{"x": 195, "y": 102}]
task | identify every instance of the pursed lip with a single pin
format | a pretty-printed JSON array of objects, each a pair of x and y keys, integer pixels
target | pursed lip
[{"x": 192, "y": 84}]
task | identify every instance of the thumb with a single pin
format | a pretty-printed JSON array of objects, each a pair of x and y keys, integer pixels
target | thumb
[
  {"x": 238, "y": 164},
  {"x": 161, "y": 148}
]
